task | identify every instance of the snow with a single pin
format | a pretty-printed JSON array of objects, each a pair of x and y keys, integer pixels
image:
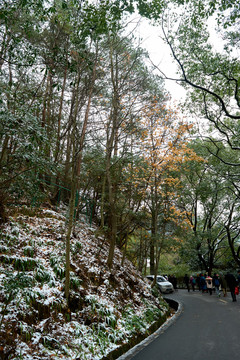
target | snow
[{"x": 106, "y": 307}]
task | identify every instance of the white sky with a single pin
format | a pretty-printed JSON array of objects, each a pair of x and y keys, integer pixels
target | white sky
[{"x": 160, "y": 54}]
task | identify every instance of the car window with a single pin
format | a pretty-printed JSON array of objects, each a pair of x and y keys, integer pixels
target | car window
[
  {"x": 149, "y": 277},
  {"x": 161, "y": 279}
]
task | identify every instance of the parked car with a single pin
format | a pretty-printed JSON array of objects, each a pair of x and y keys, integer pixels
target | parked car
[{"x": 163, "y": 284}]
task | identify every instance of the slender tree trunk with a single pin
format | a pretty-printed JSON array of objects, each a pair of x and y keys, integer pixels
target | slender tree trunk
[
  {"x": 71, "y": 124},
  {"x": 5, "y": 43},
  {"x": 112, "y": 146},
  {"x": 103, "y": 194},
  {"x": 72, "y": 140},
  {"x": 141, "y": 253},
  {"x": 124, "y": 251},
  {"x": 60, "y": 116},
  {"x": 76, "y": 165},
  {"x": 153, "y": 232},
  {"x": 112, "y": 216},
  {"x": 235, "y": 254},
  {"x": 73, "y": 190},
  {"x": 86, "y": 117},
  {"x": 4, "y": 151},
  {"x": 68, "y": 235},
  {"x": 45, "y": 101},
  {"x": 160, "y": 245}
]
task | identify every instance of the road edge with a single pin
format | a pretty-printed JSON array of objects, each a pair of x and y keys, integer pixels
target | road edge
[{"x": 133, "y": 351}]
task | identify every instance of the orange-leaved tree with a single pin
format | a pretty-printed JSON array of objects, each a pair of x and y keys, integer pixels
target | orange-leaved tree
[{"x": 164, "y": 149}]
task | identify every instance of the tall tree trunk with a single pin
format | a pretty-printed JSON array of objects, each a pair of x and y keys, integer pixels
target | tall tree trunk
[
  {"x": 76, "y": 165},
  {"x": 141, "y": 253},
  {"x": 60, "y": 116},
  {"x": 231, "y": 239},
  {"x": 4, "y": 152},
  {"x": 112, "y": 215},
  {"x": 103, "y": 194},
  {"x": 5, "y": 44},
  {"x": 72, "y": 140},
  {"x": 86, "y": 117},
  {"x": 112, "y": 146},
  {"x": 153, "y": 232},
  {"x": 71, "y": 124},
  {"x": 69, "y": 232}
]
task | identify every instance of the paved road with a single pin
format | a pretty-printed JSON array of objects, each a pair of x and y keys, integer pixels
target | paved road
[{"x": 208, "y": 328}]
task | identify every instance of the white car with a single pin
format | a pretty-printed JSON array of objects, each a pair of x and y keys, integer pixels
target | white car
[{"x": 164, "y": 285}]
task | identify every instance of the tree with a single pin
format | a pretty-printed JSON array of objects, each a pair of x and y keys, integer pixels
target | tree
[
  {"x": 210, "y": 75},
  {"x": 126, "y": 84},
  {"x": 21, "y": 134},
  {"x": 163, "y": 145},
  {"x": 209, "y": 201}
]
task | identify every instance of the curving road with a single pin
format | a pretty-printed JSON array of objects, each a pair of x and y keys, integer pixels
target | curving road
[{"x": 206, "y": 328}]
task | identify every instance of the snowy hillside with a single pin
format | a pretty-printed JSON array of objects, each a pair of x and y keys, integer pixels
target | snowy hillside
[{"x": 107, "y": 308}]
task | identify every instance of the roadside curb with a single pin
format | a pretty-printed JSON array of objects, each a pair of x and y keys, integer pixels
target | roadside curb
[{"x": 177, "y": 305}]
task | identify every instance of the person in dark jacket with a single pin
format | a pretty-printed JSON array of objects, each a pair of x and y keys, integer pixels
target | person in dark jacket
[
  {"x": 223, "y": 283},
  {"x": 216, "y": 283},
  {"x": 232, "y": 283},
  {"x": 192, "y": 282},
  {"x": 203, "y": 285}
]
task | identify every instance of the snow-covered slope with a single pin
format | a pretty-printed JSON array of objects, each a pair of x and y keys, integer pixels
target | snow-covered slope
[{"x": 107, "y": 308}]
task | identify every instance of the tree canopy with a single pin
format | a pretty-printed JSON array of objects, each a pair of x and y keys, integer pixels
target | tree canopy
[{"x": 84, "y": 121}]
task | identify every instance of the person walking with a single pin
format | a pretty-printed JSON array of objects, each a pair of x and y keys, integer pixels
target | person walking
[
  {"x": 216, "y": 283},
  {"x": 209, "y": 284},
  {"x": 186, "y": 281},
  {"x": 203, "y": 285},
  {"x": 192, "y": 282},
  {"x": 232, "y": 283},
  {"x": 223, "y": 284}
]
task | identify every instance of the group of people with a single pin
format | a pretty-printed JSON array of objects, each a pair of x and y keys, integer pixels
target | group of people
[{"x": 206, "y": 283}]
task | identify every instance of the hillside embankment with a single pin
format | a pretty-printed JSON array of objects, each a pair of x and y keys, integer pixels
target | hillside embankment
[{"x": 109, "y": 310}]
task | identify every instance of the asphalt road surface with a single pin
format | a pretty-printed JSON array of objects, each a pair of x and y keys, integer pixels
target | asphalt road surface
[{"x": 207, "y": 328}]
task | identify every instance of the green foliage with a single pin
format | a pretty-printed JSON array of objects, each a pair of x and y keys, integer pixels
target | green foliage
[
  {"x": 155, "y": 291},
  {"x": 20, "y": 264},
  {"x": 77, "y": 248},
  {"x": 19, "y": 167},
  {"x": 25, "y": 264},
  {"x": 21, "y": 280},
  {"x": 50, "y": 343},
  {"x": 208, "y": 195},
  {"x": 135, "y": 324},
  {"x": 102, "y": 312},
  {"x": 173, "y": 263},
  {"x": 152, "y": 315},
  {"x": 58, "y": 267},
  {"x": 75, "y": 282},
  {"x": 29, "y": 251},
  {"x": 42, "y": 276},
  {"x": 151, "y": 9},
  {"x": 26, "y": 332}
]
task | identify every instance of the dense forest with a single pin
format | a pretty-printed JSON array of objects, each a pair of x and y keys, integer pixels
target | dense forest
[
  {"x": 86, "y": 121},
  {"x": 103, "y": 178}
]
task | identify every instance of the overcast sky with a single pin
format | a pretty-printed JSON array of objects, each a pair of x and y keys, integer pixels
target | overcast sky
[{"x": 159, "y": 53}]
